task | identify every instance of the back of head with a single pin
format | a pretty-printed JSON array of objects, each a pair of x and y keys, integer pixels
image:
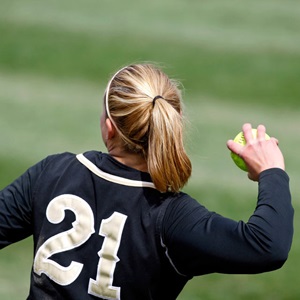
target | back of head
[{"x": 145, "y": 106}]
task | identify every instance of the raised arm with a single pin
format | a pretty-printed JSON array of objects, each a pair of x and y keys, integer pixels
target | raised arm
[{"x": 200, "y": 242}]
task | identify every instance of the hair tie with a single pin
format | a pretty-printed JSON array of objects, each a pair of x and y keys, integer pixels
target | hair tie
[{"x": 155, "y": 98}]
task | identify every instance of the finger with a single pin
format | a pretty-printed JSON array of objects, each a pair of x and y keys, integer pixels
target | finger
[
  {"x": 261, "y": 132},
  {"x": 247, "y": 131},
  {"x": 234, "y": 147}
]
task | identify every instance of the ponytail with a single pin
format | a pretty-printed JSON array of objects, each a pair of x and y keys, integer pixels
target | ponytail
[{"x": 168, "y": 163}]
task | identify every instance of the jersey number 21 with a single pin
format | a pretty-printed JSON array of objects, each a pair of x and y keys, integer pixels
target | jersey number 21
[{"x": 83, "y": 227}]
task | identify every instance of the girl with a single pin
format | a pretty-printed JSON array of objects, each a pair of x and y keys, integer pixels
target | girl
[{"x": 116, "y": 225}]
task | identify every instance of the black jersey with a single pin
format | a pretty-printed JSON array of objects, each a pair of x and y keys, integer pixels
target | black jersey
[{"x": 102, "y": 231}]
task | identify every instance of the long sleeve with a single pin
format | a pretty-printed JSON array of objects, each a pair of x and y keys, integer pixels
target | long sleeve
[
  {"x": 199, "y": 241},
  {"x": 16, "y": 206}
]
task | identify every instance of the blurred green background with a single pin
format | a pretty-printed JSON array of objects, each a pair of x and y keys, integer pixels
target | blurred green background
[{"x": 239, "y": 61}]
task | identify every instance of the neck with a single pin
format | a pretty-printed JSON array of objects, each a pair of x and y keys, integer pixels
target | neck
[
  {"x": 116, "y": 149},
  {"x": 133, "y": 160}
]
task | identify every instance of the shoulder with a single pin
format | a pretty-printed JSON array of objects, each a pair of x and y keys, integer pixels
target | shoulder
[
  {"x": 184, "y": 205},
  {"x": 59, "y": 157},
  {"x": 63, "y": 160},
  {"x": 181, "y": 211},
  {"x": 52, "y": 168},
  {"x": 53, "y": 158}
]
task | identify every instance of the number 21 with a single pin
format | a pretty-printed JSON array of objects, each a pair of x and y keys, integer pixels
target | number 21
[{"x": 83, "y": 227}]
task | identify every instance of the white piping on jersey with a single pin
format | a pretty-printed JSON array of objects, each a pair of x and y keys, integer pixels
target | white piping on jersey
[
  {"x": 169, "y": 258},
  {"x": 112, "y": 178}
]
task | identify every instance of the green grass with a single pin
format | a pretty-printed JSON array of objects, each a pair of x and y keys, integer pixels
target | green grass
[{"x": 238, "y": 60}]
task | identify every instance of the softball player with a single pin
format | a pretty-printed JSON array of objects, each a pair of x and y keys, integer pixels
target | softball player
[{"x": 116, "y": 225}]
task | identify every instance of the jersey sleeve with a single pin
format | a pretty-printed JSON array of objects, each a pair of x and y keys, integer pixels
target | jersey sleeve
[
  {"x": 15, "y": 206},
  {"x": 199, "y": 242}
]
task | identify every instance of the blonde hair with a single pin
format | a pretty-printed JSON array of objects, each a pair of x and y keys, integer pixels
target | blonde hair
[{"x": 145, "y": 106}]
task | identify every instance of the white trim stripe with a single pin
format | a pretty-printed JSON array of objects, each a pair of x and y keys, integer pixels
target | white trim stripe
[
  {"x": 112, "y": 178},
  {"x": 169, "y": 258}
]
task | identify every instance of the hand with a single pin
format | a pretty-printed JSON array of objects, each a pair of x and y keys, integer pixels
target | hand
[{"x": 259, "y": 154}]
